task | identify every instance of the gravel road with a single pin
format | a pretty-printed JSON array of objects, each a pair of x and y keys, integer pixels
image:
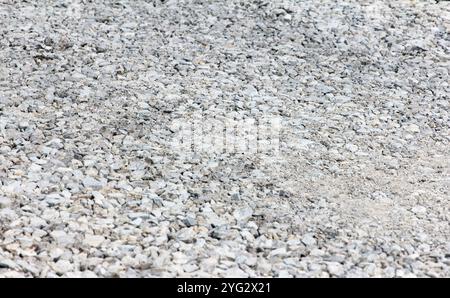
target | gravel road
[{"x": 353, "y": 182}]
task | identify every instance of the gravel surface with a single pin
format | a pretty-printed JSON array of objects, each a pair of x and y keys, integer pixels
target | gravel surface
[{"x": 92, "y": 185}]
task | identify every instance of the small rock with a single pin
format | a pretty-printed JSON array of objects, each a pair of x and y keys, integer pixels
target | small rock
[
  {"x": 335, "y": 268},
  {"x": 37, "y": 222},
  {"x": 62, "y": 266},
  {"x": 308, "y": 240},
  {"x": 219, "y": 232},
  {"x": 235, "y": 272},
  {"x": 287, "y": 17},
  {"x": 56, "y": 252},
  {"x": 180, "y": 258},
  {"x": 92, "y": 183},
  {"x": 9, "y": 264},
  {"x": 4, "y": 202},
  {"x": 93, "y": 240},
  {"x": 62, "y": 238},
  {"x": 243, "y": 214},
  {"x": 351, "y": 147},
  {"x": 236, "y": 196},
  {"x": 189, "y": 221},
  {"x": 413, "y": 128},
  {"x": 48, "y": 41},
  {"x": 284, "y": 274},
  {"x": 186, "y": 235},
  {"x": 55, "y": 144},
  {"x": 24, "y": 125},
  {"x": 419, "y": 209}
]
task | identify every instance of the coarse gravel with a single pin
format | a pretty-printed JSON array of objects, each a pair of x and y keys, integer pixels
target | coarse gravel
[{"x": 91, "y": 184}]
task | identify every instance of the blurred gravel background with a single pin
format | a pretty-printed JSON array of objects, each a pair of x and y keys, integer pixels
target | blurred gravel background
[{"x": 90, "y": 185}]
